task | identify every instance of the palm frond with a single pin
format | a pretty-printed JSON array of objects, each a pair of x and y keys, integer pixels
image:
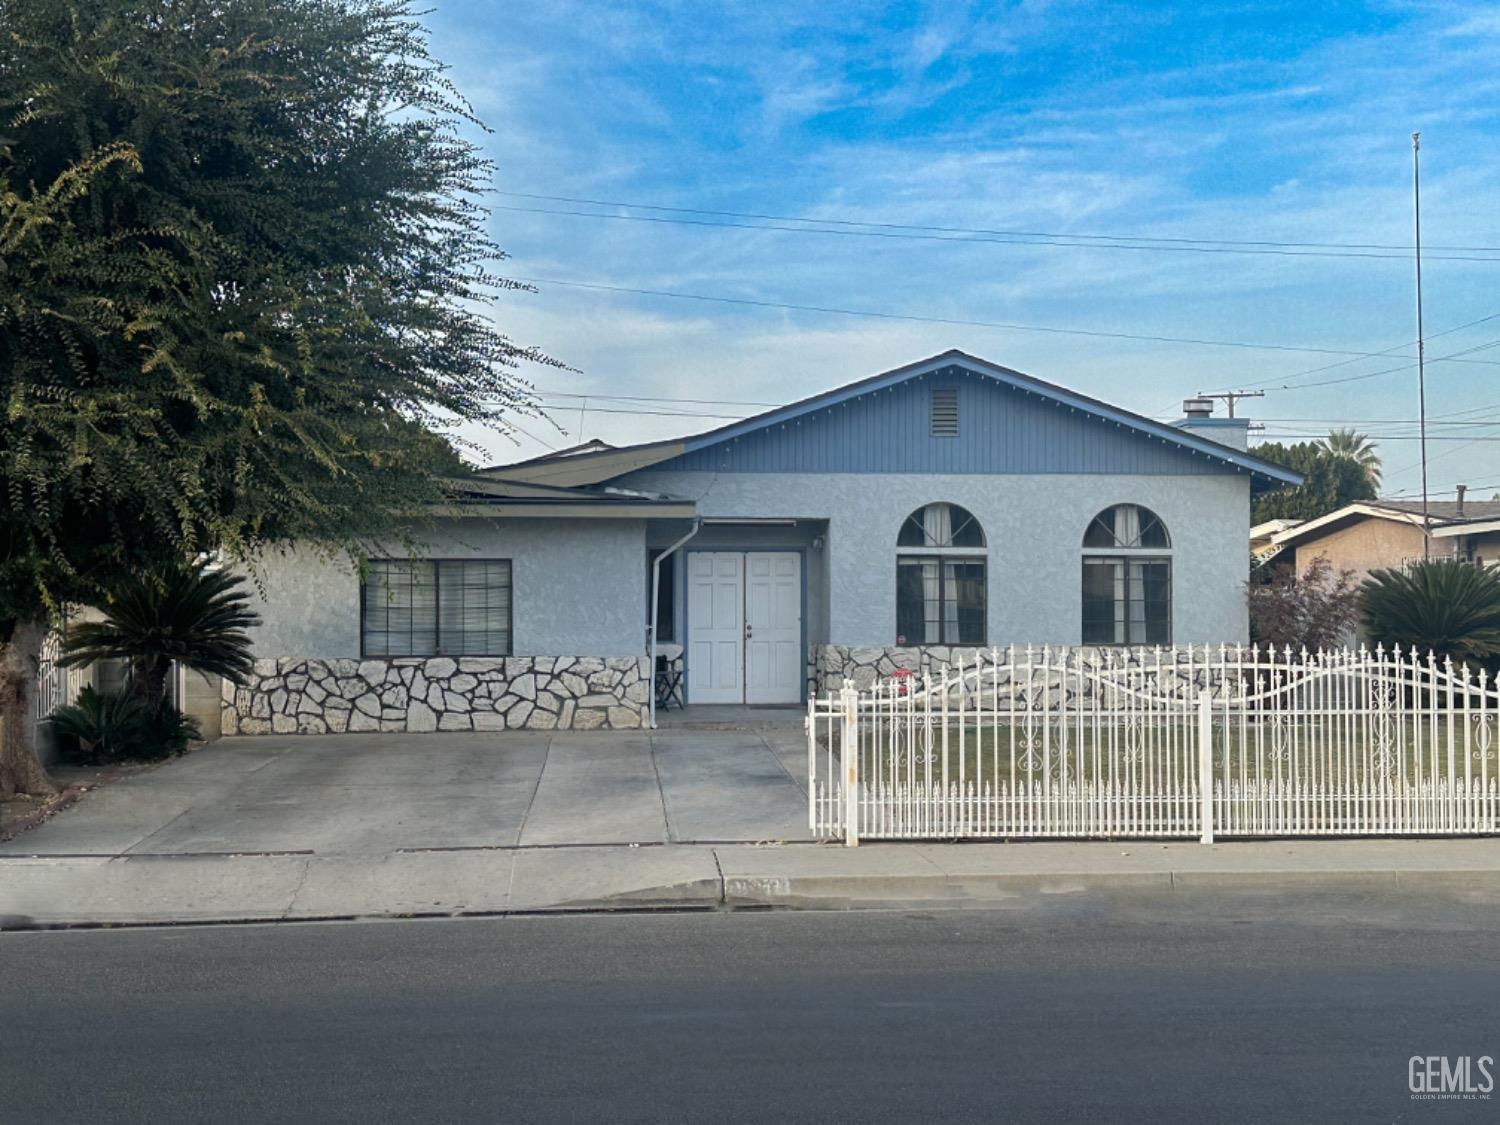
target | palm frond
[
  {"x": 1447, "y": 606},
  {"x": 187, "y": 614}
]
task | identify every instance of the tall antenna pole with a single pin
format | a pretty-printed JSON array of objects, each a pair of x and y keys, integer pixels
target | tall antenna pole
[{"x": 1416, "y": 191}]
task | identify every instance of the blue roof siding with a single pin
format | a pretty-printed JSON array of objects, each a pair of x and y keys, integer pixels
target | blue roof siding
[{"x": 1001, "y": 429}]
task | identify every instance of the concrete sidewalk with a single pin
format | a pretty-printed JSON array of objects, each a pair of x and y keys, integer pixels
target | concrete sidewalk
[{"x": 136, "y": 889}]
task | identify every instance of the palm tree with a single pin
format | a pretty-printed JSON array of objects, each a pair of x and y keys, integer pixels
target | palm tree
[
  {"x": 188, "y": 614},
  {"x": 1447, "y": 606},
  {"x": 1358, "y": 448}
]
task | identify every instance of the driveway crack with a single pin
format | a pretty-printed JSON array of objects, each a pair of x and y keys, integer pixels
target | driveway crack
[
  {"x": 535, "y": 789},
  {"x": 666, "y": 817},
  {"x": 297, "y": 890}
]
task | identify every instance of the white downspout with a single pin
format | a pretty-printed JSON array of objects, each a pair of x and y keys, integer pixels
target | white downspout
[{"x": 655, "y": 599}]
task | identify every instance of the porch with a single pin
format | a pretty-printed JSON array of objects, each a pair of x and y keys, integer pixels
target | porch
[{"x": 739, "y": 607}]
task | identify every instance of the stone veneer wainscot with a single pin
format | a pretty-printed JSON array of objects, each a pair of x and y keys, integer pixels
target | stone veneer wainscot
[{"x": 289, "y": 695}]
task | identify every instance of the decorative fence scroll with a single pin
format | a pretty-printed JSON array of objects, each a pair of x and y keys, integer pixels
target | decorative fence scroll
[{"x": 1166, "y": 742}]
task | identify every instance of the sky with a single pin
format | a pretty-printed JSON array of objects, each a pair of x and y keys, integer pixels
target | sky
[{"x": 1146, "y": 136}]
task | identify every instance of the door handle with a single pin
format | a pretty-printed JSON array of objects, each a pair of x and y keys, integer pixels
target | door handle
[{"x": 748, "y": 631}]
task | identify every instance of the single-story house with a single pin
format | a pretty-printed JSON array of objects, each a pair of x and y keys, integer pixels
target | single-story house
[
  {"x": 947, "y": 505},
  {"x": 1263, "y": 535},
  {"x": 1376, "y": 534}
]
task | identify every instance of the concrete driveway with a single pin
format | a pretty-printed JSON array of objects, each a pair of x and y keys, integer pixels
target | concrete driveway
[{"x": 343, "y": 794}]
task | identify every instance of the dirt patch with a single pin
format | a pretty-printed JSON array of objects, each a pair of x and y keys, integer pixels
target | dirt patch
[{"x": 23, "y": 812}]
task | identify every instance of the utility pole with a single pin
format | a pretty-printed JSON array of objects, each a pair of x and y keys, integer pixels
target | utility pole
[
  {"x": 1416, "y": 193},
  {"x": 1232, "y": 397}
]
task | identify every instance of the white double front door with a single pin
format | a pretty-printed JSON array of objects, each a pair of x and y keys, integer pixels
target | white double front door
[{"x": 744, "y": 618}]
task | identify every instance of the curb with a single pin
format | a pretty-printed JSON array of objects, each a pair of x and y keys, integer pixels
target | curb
[{"x": 810, "y": 892}]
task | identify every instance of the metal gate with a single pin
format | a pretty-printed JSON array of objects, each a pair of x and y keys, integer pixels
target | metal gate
[{"x": 1164, "y": 743}]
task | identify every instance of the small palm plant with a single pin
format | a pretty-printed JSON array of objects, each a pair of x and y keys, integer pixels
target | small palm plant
[
  {"x": 188, "y": 614},
  {"x": 1448, "y": 606},
  {"x": 1358, "y": 448}
]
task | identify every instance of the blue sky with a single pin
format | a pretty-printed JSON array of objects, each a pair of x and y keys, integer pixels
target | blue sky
[{"x": 1282, "y": 123}]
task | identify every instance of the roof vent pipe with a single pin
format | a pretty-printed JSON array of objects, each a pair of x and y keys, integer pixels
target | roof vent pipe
[
  {"x": 1197, "y": 408},
  {"x": 1459, "y": 507}
]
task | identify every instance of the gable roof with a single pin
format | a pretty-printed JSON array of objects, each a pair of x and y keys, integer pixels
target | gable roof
[
  {"x": 579, "y": 468},
  {"x": 486, "y": 494},
  {"x": 1443, "y": 517}
]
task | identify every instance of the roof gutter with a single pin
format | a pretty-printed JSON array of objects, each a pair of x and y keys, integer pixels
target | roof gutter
[{"x": 655, "y": 600}]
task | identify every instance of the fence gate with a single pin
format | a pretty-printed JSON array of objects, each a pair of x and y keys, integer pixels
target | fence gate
[{"x": 1162, "y": 743}]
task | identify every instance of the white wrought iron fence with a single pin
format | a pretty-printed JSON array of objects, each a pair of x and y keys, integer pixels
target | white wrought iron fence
[
  {"x": 55, "y": 685},
  {"x": 1168, "y": 743}
]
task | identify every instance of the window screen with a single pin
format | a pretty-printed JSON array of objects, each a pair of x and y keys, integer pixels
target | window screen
[
  {"x": 939, "y": 601},
  {"x": 426, "y": 607},
  {"x": 1127, "y": 601}
]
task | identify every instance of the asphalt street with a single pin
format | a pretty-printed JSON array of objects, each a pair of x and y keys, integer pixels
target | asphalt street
[{"x": 1256, "y": 1007}]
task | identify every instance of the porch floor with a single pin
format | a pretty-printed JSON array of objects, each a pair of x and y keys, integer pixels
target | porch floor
[{"x": 730, "y": 716}]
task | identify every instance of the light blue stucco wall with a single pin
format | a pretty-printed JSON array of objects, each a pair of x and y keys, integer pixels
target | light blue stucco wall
[
  {"x": 1034, "y": 525},
  {"x": 577, "y": 588}
]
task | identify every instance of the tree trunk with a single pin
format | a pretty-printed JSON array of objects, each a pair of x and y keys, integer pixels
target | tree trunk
[
  {"x": 21, "y": 771},
  {"x": 149, "y": 677}
]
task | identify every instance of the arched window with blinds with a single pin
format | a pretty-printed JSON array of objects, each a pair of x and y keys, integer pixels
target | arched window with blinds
[
  {"x": 941, "y": 572},
  {"x": 1127, "y": 578}
]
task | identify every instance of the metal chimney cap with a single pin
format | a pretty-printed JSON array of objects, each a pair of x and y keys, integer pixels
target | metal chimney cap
[{"x": 1198, "y": 407}]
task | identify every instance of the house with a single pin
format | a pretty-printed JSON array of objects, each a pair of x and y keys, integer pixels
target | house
[
  {"x": 1262, "y": 538},
  {"x": 947, "y": 505},
  {"x": 1375, "y": 534}
]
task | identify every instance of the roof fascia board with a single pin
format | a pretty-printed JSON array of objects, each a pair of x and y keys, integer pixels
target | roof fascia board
[
  {"x": 1468, "y": 527},
  {"x": 1356, "y": 509}
]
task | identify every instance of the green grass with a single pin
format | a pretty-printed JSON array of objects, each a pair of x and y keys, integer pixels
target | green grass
[{"x": 1000, "y": 754}]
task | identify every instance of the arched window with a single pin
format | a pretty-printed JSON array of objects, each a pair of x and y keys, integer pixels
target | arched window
[
  {"x": 1127, "y": 578},
  {"x": 940, "y": 577}
]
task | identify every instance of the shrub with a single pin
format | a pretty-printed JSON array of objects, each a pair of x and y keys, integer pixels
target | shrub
[
  {"x": 169, "y": 733},
  {"x": 108, "y": 726},
  {"x": 1447, "y": 606},
  {"x": 1313, "y": 611},
  {"x": 119, "y": 726}
]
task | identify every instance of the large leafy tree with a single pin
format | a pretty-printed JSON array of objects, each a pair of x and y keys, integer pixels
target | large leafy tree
[
  {"x": 1331, "y": 481},
  {"x": 244, "y": 282},
  {"x": 1358, "y": 447}
]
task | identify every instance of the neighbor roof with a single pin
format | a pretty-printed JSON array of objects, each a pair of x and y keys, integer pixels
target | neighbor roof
[
  {"x": 580, "y": 468},
  {"x": 490, "y": 495},
  {"x": 1442, "y": 517}
]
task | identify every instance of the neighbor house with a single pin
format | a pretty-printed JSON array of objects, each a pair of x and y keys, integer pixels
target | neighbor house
[
  {"x": 1378, "y": 534},
  {"x": 945, "y": 506}
]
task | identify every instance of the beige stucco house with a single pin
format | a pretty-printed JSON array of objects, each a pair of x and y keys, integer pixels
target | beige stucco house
[{"x": 1377, "y": 534}]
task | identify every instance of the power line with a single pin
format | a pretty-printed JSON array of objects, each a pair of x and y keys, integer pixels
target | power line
[
  {"x": 651, "y": 413},
  {"x": 955, "y": 321},
  {"x": 1011, "y": 237},
  {"x": 976, "y": 239},
  {"x": 1384, "y": 437},
  {"x": 1390, "y": 351},
  {"x": 656, "y": 398},
  {"x": 1375, "y": 374}
]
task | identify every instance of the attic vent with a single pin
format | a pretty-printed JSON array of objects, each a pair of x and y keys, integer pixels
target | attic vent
[{"x": 944, "y": 413}]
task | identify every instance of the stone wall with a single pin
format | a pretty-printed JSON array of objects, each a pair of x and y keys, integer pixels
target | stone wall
[
  {"x": 864, "y": 665},
  {"x": 288, "y": 695}
]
